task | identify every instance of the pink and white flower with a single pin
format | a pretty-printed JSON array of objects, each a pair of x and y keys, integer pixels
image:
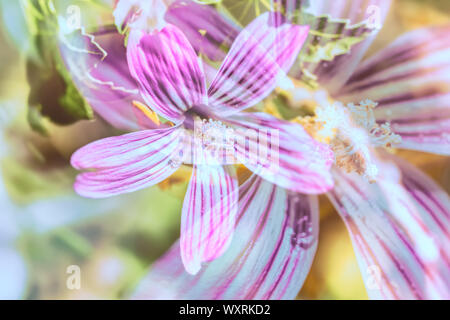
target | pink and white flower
[
  {"x": 399, "y": 222},
  {"x": 172, "y": 83}
]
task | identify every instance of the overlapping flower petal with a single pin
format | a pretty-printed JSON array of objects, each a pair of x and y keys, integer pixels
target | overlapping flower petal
[{"x": 270, "y": 255}]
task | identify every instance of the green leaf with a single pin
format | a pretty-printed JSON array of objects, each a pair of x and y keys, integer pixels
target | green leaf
[
  {"x": 36, "y": 120},
  {"x": 33, "y": 27},
  {"x": 327, "y": 39},
  {"x": 52, "y": 93},
  {"x": 330, "y": 37},
  {"x": 244, "y": 11}
]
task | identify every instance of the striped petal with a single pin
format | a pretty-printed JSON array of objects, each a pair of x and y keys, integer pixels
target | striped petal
[
  {"x": 167, "y": 69},
  {"x": 271, "y": 253},
  {"x": 282, "y": 153},
  {"x": 99, "y": 69},
  {"x": 127, "y": 163},
  {"x": 433, "y": 205},
  {"x": 410, "y": 80},
  {"x": 209, "y": 215},
  {"x": 258, "y": 59},
  {"x": 353, "y": 10},
  {"x": 208, "y": 30},
  {"x": 399, "y": 229},
  {"x": 361, "y": 17}
]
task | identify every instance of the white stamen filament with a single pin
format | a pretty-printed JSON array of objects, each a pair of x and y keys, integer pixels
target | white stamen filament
[{"x": 352, "y": 131}]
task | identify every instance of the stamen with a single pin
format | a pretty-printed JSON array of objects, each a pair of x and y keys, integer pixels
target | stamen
[
  {"x": 380, "y": 135},
  {"x": 147, "y": 112},
  {"x": 351, "y": 131},
  {"x": 357, "y": 134},
  {"x": 214, "y": 142},
  {"x": 213, "y": 133}
]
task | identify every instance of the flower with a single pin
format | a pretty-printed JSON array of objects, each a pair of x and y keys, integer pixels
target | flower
[
  {"x": 397, "y": 217},
  {"x": 98, "y": 64},
  {"x": 172, "y": 83},
  {"x": 140, "y": 14}
]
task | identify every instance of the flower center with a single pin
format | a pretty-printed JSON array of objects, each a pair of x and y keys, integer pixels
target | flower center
[
  {"x": 351, "y": 131},
  {"x": 213, "y": 134},
  {"x": 212, "y": 142}
]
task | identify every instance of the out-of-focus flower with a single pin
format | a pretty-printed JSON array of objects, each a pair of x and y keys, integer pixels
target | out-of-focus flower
[
  {"x": 145, "y": 15},
  {"x": 33, "y": 27},
  {"x": 397, "y": 217},
  {"x": 172, "y": 83},
  {"x": 208, "y": 31},
  {"x": 399, "y": 224},
  {"x": 98, "y": 65}
]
